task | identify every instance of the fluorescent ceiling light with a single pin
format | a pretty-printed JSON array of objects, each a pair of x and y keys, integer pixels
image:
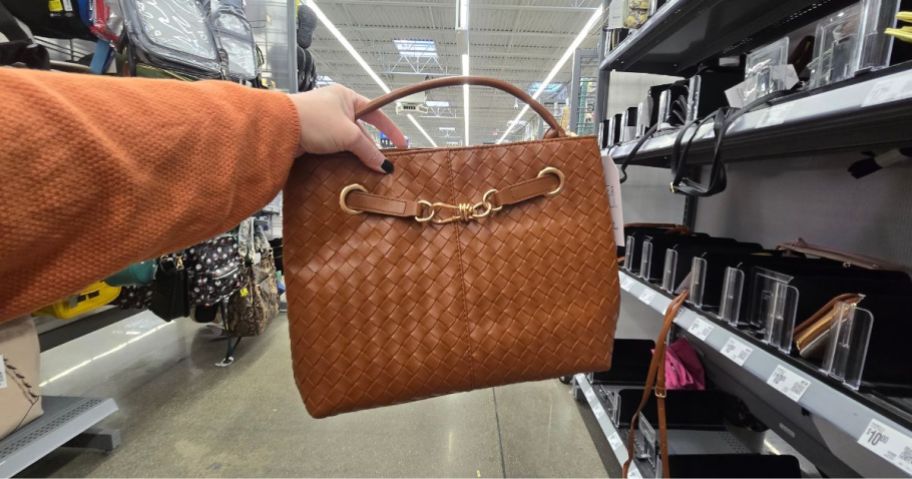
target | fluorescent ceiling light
[
  {"x": 437, "y": 103},
  {"x": 448, "y": 128},
  {"x": 462, "y": 14},
  {"x": 358, "y": 58},
  {"x": 454, "y": 143},
  {"x": 416, "y": 48},
  {"x": 465, "y": 95},
  {"x": 596, "y": 15}
]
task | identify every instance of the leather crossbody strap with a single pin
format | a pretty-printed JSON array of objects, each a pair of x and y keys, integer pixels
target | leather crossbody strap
[
  {"x": 399, "y": 93},
  {"x": 655, "y": 384},
  {"x": 861, "y": 261},
  {"x": 355, "y": 199}
]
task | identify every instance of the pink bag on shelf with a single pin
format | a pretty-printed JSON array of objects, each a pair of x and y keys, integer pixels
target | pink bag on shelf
[{"x": 683, "y": 369}]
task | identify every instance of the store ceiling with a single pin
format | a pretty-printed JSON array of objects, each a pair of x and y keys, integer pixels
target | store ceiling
[{"x": 519, "y": 41}]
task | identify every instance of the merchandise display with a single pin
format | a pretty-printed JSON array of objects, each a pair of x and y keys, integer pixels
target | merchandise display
[{"x": 416, "y": 212}]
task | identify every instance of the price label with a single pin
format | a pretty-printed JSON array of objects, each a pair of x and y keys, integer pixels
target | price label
[
  {"x": 2, "y": 373},
  {"x": 647, "y": 296},
  {"x": 776, "y": 115},
  {"x": 788, "y": 382},
  {"x": 626, "y": 281},
  {"x": 737, "y": 351},
  {"x": 889, "y": 444},
  {"x": 887, "y": 90},
  {"x": 615, "y": 441},
  {"x": 633, "y": 472},
  {"x": 701, "y": 328}
]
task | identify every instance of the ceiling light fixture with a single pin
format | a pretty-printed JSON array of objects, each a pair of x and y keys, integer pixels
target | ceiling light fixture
[
  {"x": 462, "y": 14},
  {"x": 358, "y": 58},
  {"x": 465, "y": 96},
  {"x": 596, "y": 15}
]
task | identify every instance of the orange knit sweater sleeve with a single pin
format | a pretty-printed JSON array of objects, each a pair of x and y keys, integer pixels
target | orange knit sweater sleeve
[{"x": 97, "y": 173}]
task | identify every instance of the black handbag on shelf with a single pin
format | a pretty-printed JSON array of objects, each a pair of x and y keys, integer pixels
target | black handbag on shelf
[
  {"x": 169, "y": 289},
  {"x": 634, "y": 234},
  {"x": 654, "y": 247},
  {"x": 734, "y": 465},
  {"x": 685, "y": 409},
  {"x": 679, "y": 258},
  {"x": 629, "y": 363}
]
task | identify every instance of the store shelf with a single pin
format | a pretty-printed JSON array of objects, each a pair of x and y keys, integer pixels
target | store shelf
[
  {"x": 870, "y": 114},
  {"x": 64, "y": 419},
  {"x": 685, "y": 32},
  {"x": 842, "y": 420},
  {"x": 615, "y": 438},
  {"x": 680, "y": 441}
]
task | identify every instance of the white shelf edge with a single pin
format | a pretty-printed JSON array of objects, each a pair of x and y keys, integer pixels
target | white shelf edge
[
  {"x": 822, "y": 400},
  {"x": 64, "y": 418},
  {"x": 601, "y": 416}
]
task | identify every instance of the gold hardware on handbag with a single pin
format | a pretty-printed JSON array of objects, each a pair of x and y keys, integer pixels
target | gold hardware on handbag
[{"x": 515, "y": 241}]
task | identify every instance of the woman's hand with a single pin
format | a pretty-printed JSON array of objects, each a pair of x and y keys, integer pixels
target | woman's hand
[{"x": 328, "y": 125}]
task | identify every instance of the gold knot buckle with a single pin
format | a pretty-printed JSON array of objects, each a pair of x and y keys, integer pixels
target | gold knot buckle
[{"x": 462, "y": 211}]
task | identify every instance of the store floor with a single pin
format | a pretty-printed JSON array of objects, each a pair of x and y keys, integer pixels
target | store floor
[{"x": 182, "y": 416}]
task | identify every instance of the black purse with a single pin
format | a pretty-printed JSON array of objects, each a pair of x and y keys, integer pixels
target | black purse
[{"x": 169, "y": 289}]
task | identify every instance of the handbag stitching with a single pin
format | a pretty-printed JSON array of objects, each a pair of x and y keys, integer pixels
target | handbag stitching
[{"x": 462, "y": 281}]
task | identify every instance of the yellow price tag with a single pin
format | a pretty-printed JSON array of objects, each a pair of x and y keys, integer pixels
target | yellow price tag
[
  {"x": 55, "y": 6},
  {"x": 244, "y": 292}
]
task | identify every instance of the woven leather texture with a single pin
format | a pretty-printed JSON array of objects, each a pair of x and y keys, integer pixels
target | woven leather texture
[{"x": 385, "y": 310}]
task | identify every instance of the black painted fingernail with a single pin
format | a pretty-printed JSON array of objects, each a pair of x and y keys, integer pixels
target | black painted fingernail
[{"x": 387, "y": 166}]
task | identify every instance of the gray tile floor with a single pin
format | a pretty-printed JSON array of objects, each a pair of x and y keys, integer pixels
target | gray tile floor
[{"x": 181, "y": 416}]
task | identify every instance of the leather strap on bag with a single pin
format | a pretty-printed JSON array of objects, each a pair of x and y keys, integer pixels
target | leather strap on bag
[
  {"x": 355, "y": 199},
  {"x": 861, "y": 261},
  {"x": 377, "y": 103},
  {"x": 655, "y": 384}
]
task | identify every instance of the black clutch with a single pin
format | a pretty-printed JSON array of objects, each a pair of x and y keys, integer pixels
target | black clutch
[
  {"x": 684, "y": 409},
  {"x": 629, "y": 363}
]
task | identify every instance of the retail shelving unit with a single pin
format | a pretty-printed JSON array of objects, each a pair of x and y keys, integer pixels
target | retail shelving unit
[
  {"x": 827, "y": 422},
  {"x": 839, "y": 429},
  {"x": 871, "y": 113},
  {"x": 67, "y": 421},
  {"x": 680, "y": 441},
  {"x": 582, "y": 90}
]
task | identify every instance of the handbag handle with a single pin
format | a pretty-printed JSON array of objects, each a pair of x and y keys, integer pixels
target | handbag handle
[{"x": 377, "y": 103}]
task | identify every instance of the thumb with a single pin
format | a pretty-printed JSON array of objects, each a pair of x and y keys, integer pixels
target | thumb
[{"x": 365, "y": 149}]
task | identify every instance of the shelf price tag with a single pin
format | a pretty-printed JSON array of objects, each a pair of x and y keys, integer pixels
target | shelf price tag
[
  {"x": 889, "y": 89},
  {"x": 889, "y": 444},
  {"x": 647, "y": 296},
  {"x": 737, "y": 351},
  {"x": 701, "y": 328},
  {"x": 615, "y": 442},
  {"x": 626, "y": 281},
  {"x": 776, "y": 115},
  {"x": 788, "y": 382},
  {"x": 633, "y": 472}
]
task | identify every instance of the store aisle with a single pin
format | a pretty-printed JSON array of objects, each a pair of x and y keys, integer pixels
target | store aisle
[{"x": 182, "y": 416}]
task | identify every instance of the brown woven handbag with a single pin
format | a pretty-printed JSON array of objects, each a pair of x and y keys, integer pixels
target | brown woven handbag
[{"x": 465, "y": 268}]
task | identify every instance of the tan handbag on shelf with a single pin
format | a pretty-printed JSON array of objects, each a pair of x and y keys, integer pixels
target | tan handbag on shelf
[
  {"x": 810, "y": 335},
  {"x": 465, "y": 268},
  {"x": 20, "y": 397},
  {"x": 850, "y": 259}
]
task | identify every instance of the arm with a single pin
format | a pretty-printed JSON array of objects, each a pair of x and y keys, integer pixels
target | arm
[{"x": 97, "y": 173}]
